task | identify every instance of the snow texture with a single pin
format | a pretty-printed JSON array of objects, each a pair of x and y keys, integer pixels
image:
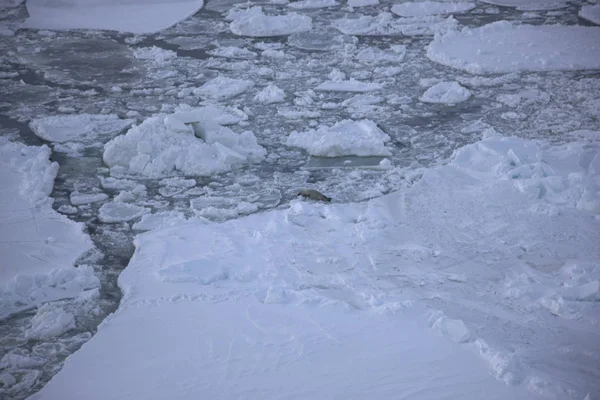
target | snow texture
[
  {"x": 78, "y": 128},
  {"x": 446, "y": 93},
  {"x": 38, "y": 245},
  {"x": 503, "y": 47},
  {"x": 345, "y": 138},
  {"x": 255, "y": 23},
  {"x": 426, "y": 8},
  {"x": 591, "y": 13},
  {"x": 192, "y": 142},
  {"x": 134, "y": 16},
  {"x": 412, "y": 292}
]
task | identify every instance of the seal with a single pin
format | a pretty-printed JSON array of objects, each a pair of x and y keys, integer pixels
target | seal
[{"x": 314, "y": 195}]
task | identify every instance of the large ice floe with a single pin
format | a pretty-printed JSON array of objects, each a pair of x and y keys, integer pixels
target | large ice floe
[
  {"x": 135, "y": 16},
  {"x": 479, "y": 280},
  {"x": 425, "y": 8},
  {"x": 255, "y": 23},
  {"x": 345, "y": 138},
  {"x": 193, "y": 142},
  {"x": 591, "y": 13},
  {"x": 502, "y": 47},
  {"x": 38, "y": 246}
]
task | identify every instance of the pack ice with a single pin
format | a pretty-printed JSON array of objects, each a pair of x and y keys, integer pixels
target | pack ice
[
  {"x": 38, "y": 246},
  {"x": 194, "y": 142},
  {"x": 480, "y": 280},
  {"x": 255, "y": 23}
]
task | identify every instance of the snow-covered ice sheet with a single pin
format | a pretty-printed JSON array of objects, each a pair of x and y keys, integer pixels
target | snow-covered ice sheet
[
  {"x": 255, "y": 23},
  {"x": 345, "y": 138},
  {"x": 591, "y": 13},
  {"x": 446, "y": 93},
  {"x": 135, "y": 16},
  {"x": 502, "y": 47},
  {"x": 192, "y": 142},
  {"x": 78, "y": 128},
  {"x": 422, "y": 9},
  {"x": 475, "y": 282},
  {"x": 38, "y": 246}
]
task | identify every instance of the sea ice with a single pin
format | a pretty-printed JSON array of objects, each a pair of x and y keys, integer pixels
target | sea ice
[
  {"x": 78, "y": 199},
  {"x": 161, "y": 219},
  {"x": 426, "y": 8},
  {"x": 345, "y": 138},
  {"x": 446, "y": 93},
  {"x": 375, "y": 55},
  {"x": 155, "y": 54},
  {"x": 310, "y": 4},
  {"x": 350, "y": 85},
  {"x": 135, "y": 16},
  {"x": 117, "y": 211},
  {"x": 529, "y": 5},
  {"x": 50, "y": 321},
  {"x": 276, "y": 300},
  {"x": 591, "y": 13},
  {"x": 362, "y": 3},
  {"x": 165, "y": 144},
  {"x": 386, "y": 24},
  {"x": 232, "y": 52},
  {"x": 39, "y": 246},
  {"x": 503, "y": 47},
  {"x": 223, "y": 88},
  {"x": 78, "y": 128},
  {"x": 253, "y": 22},
  {"x": 270, "y": 94}
]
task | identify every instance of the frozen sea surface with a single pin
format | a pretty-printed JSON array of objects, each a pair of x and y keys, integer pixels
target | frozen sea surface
[{"x": 268, "y": 75}]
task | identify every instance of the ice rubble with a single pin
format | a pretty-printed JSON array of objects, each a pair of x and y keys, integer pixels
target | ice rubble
[
  {"x": 39, "y": 246},
  {"x": 310, "y": 4},
  {"x": 503, "y": 47},
  {"x": 446, "y": 93},
  {"x": 135, "y": 16},
  {"x": 465, "y": 261},
  {"x": 425, "y": 8},
  {"x": 345, "y": 138},
  {"x": 223, "y": 88},
  {"x": 591, "y": 13},
  {"x": 195, "y": 142},
  {"x": 255, "y": 23},
  {"x": 386, "y": 24}
]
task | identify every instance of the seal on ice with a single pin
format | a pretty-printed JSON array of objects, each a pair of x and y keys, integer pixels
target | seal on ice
[{"x": 314, "y": 195}]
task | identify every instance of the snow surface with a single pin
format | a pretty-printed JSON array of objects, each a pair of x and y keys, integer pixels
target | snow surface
[
  {"x": 135, "y": 16},
  {"x": 255, "y": 23},
  {"x": 446, "y": 93},
  {"x": 475, "y": 282},
  {"x": 425, "y": 8},
  {"x": 503, "y": 47},
  {"x": 345, "y": 138},
  {"x": 38, "y": 245},
  {"x": 591, "y": 13},
  {"x": 192, "y": 142}
]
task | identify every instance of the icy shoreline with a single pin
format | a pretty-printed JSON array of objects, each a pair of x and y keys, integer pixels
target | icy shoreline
[{"x": 495, "y": 249}]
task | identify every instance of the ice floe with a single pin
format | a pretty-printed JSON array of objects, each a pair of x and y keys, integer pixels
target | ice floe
[
  {"x": 49, "y": 321},
  {"x": 503, "y": 47},
  {"x": 425, "y": 8},
  {"x": 310, "y": 4},
  {"x": 456, "y": 271},
  {"x": 255, "y": 23},
  {"x": 78, "y": 128},
  {"x": 345, "y": 138},
  {"x": 591, "y": 13},
  {"x": 39, "y": 247},
  {"x": 374, "y": 55},
  {"x": 137, "y": 16},
  {"x": 529, "y": 5},
  {"x": 350, "y": 85},
  {"x": 446, "y": 93},
  {"x": 270, "y": 94},
  {"x": 117, "y": 211},
  {"x": 192, "y": 142},
  {"x": 223, "y": 88},
  {"x": 386, "y": 24}
]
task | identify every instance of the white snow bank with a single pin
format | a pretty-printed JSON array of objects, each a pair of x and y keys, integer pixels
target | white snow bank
[
  {"x": 326, "y": 300},
  {"x": 78, "y": 128},
  {"x": 529, "y": 5},
  {"x": 503, "y": 47},
  {"x": 38, "y": 246},
  {"x": 192, "y": 142},
  {"x": 253, "y": 22},
  {"x": 446, "y": 93},
  {"x": 345, "y": 138},
  {"x": 422, "y": 9},
  {"x": 135, "y": 16},
  {"x": 591, "y": 13}
]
